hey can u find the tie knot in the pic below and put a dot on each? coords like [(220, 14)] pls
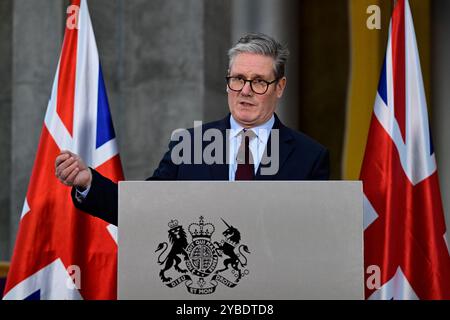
[(247, 133)]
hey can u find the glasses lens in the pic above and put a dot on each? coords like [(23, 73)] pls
[(236, 83), (259, 86)]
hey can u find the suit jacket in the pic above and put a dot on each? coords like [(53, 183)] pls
[(300, 158)]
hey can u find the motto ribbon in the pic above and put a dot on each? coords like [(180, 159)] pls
[(204, 290)]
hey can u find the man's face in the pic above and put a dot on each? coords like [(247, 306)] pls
[(248, 108)]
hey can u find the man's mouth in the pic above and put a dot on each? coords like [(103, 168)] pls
[(246, 104)]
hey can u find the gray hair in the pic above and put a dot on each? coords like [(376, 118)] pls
[(262, 44)]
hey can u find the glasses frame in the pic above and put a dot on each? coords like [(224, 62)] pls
[(268, 83)]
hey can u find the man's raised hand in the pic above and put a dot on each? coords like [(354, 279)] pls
[(71, 170)]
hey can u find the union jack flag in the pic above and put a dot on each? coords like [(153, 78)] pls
[(405, 233), (61, 253)]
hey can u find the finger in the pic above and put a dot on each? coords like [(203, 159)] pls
[(80, 162), (71, 178), (68, 152), (67, 171), (64, 165), (61, 158)]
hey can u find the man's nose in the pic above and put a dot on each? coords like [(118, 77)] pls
[(247, 89)]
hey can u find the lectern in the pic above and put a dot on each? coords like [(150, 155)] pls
[(240, 240)]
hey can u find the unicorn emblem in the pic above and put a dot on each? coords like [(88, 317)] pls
[(228, 246)]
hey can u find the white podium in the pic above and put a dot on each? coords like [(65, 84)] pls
[(240, 240)]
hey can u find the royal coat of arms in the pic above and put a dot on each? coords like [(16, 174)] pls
[(202, 264)]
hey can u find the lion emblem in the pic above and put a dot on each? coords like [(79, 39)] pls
[(178, 239)]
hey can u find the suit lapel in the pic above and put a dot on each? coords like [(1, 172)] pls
[(285, 150)]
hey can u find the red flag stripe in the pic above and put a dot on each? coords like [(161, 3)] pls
[(398, 64), (113, 165), (67, 73)]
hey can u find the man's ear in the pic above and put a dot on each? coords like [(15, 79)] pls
[(281, 84)]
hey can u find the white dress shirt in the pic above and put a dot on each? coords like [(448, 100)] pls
[(256, 146)]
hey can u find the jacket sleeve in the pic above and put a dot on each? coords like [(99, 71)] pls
[(101, 200)]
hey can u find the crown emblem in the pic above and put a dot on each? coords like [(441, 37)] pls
[(201, 229), (173, 224)]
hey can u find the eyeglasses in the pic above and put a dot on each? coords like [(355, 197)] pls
[(258, 86)]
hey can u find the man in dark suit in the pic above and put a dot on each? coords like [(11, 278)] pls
[(254, 144)]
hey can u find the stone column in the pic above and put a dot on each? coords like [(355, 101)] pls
[(217, 41), (5, 123)]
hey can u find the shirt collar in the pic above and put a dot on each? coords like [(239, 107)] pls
[(261, 131)]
